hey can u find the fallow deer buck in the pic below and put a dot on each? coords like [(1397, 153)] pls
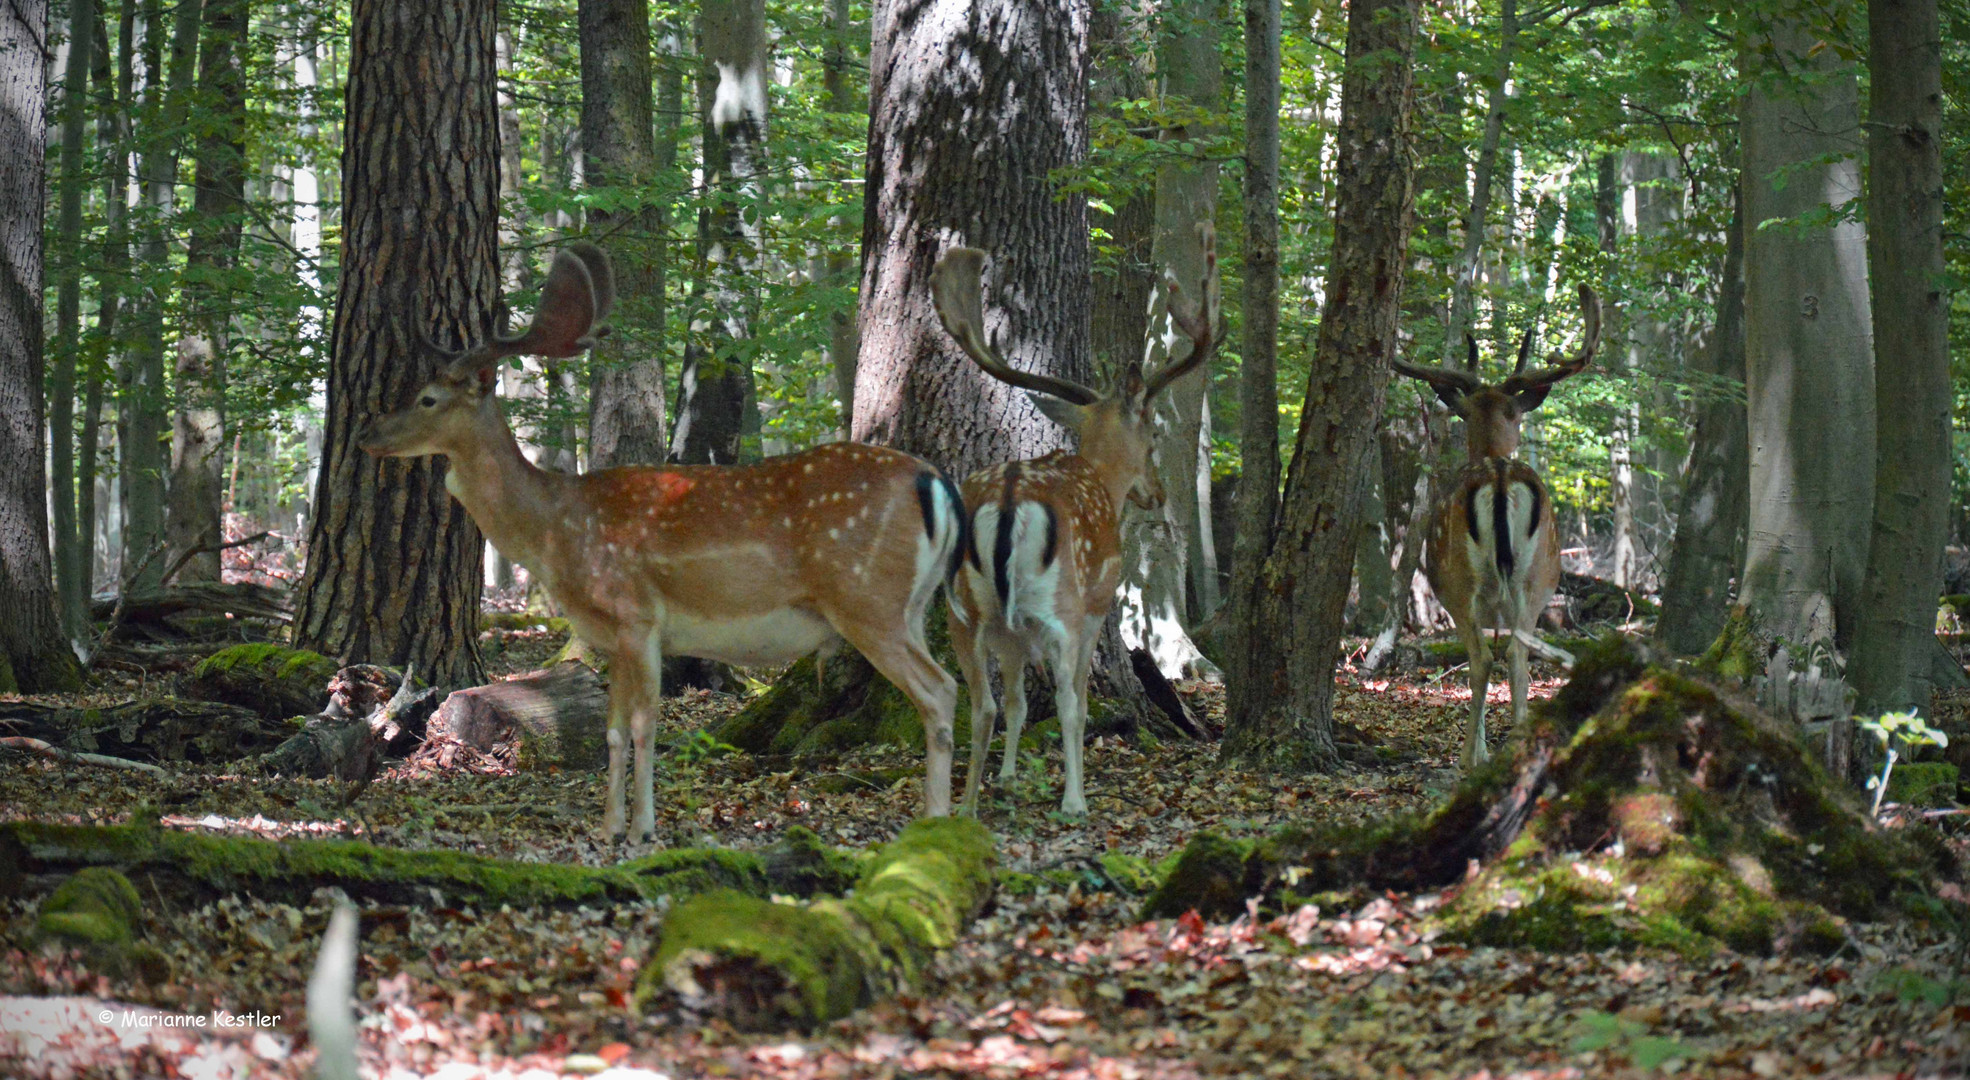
[(1494, 553), (1052, 524), (745, 564)]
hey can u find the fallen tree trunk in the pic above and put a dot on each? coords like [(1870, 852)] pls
[(238, 599), (274, 681), (761, 966), (197, 868), (363, 720), (554, 718), (163, 731)]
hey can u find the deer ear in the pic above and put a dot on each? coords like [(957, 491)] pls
[(1528, 400), (1065, 413)]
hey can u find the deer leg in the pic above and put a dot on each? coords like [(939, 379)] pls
[(1517, 651), (1070, 698), (1012, 670), (1479, 647), (642, 732), (621, 697), (906, 662), (973, 662)]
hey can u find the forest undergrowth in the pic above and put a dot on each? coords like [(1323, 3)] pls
[(1059, 978)]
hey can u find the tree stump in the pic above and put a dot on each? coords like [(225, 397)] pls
[(554, 718), (273, 681)]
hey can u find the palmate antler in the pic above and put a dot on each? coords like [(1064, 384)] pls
[(574, 300), (1451, 384), (957, 292)]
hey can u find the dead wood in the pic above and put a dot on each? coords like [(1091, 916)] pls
[(558, 717), (160, 730)]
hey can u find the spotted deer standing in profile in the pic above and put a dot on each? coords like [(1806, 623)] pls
[(1045, 557), (745, 564), (1494, 552)]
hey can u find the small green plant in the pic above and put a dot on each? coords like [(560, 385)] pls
[(1605, 1031), (701, 746), (1899, 732), (1912, 987)]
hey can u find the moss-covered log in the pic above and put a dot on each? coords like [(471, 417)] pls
[(764, 965), (274, 681), (1641, 806), (165, 731), (195, 867)]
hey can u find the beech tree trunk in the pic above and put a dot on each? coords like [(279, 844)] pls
[(838, 97), (1894, 642), (33, 656), (1710, 518), (626, 397), (715, 410), (394, 562), (972, 104), (71, 568), (1281, 713), (196, 492), (1809, 372)]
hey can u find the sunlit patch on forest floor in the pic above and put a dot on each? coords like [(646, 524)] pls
[(1060, 978)]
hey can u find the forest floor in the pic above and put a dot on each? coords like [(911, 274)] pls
[(1059, 978)]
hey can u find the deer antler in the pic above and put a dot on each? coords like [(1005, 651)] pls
[(956, 291), (1590, 339), (1200, 324), (578, 293)]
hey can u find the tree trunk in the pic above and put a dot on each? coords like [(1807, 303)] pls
[(141, 393), (393, 561), (1710, 517), (1895, 637), (1463, 281), (960, 153), (843, 341), (1281, 714), (1258, 383), (715, 390), (192, 514), (1621, 440), (112, 89), (1166, 584), (1809, 379), (33, 656), (71, 570), (626, 399)]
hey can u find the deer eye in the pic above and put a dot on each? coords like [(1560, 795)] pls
[(428, 401)]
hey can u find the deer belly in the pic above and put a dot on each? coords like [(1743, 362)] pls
[(775, 637)]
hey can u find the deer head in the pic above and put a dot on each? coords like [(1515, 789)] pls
[(1493, 412), (449, 411), (1114, 428)]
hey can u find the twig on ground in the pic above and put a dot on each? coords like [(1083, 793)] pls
[(37, 746)]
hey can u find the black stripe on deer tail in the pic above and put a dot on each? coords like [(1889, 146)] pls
[(1002, 544), (928, 482), (1501, 517)]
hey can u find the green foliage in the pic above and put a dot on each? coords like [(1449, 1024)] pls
[(1605, 1031)]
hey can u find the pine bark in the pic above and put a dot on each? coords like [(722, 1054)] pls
[(195, 496), (626, 398), (1281, 714), (33, 656), (394, 562), (1895, 640), (1809, 377), (972, 105), (715, 407), (1711, 513)]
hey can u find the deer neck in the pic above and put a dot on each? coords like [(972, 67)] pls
[(508, 496)]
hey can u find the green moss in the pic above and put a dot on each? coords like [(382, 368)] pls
[(268, 659), (1208, 878), (1130, 873), (96, 906), (1739, 652), (1923, 783), (522, 620)]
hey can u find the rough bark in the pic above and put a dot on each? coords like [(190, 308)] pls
[(33, 656), (141, 392), (194, 498), (1895, 638), (715, 409), (1258, 382), (1710, 517), (556, 718), (972, 105), (626, 397), (1809, 379), (394, 562), (1169, 558), (1281, 715), (71, 568)]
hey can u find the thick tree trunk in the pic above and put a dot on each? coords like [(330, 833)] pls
[(1281, 714), (71, 568), (1895, 637), (393, 561), (192, 514), (1169, 560), (972, 105), (1809, 376), (33, 656), (1710, 517), (141, 395), (715, 391), (1258, 384), (626, 398)]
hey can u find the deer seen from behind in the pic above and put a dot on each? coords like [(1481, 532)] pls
[(1045, 557), (745, 564), (1493, 549)]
